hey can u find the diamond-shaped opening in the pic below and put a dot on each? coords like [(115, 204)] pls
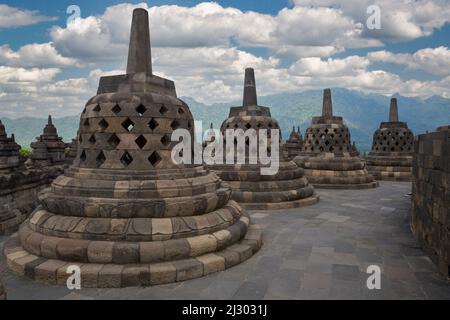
[(175, 124), (92, 139), (331, 149), (126, 159), (163, 109), (83, 156), (180, 111), (84, 111), (189, 124), (100, 158), (165, 140), (80, 139), (86, 123), (154, 158), (97, 108), (128, 125), (103, 124), (327, 142), (114, 140), (270, 125), (236, 126), (153, 124), (248, 125), (116, 109), (141, 141), (141, 110)]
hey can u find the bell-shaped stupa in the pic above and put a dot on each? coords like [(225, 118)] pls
[(48, 149), (328, 157), (392, 149), (294, 145), (288, 188), (124, 212)]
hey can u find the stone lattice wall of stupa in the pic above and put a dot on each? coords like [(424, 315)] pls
[(286, 189), (294, 145), (124, 212), (328, 157), (430, 213), (392, 149), (18, 186)]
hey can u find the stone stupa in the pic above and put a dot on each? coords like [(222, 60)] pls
[(124, 212), (286, 189), (294, 145), (392, 149), (328, 157)]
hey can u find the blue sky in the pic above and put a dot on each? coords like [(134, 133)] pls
[(49, 66)]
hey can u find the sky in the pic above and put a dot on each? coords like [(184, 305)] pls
[(51, 61)]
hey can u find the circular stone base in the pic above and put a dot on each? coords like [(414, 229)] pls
[(356, 186), (392, 176), (52, 271), (282, 205)]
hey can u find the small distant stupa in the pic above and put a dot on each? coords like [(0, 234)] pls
[(294, 145), (392, 149)]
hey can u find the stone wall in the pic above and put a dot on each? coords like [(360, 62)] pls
[(430, 218), (19, 197)]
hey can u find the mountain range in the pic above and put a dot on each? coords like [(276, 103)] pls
[(362, 113)]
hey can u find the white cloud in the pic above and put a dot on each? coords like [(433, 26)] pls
[(400, 19), (35, 55), (435, 61), (11, 17), (351, 65), (14, 75)]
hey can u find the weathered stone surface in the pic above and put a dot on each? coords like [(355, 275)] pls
[(328, 158), (124, 211), (392, 149), (19, 186), (430, 214), (251, 189)]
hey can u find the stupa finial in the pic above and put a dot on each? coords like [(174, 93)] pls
[(250, 98), (327, 109), (393, 111), (139, 52)]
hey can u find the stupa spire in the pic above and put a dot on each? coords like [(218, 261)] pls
[(327, 109), (393, 111), (250, 97), (139, 52)]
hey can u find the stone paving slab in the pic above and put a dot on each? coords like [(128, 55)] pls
[(317, 252)]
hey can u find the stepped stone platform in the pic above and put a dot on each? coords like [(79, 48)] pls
[(286, 189), (392, 149), (316, 252), (124, 212), (18, 186), (328, 157), (294, 145)]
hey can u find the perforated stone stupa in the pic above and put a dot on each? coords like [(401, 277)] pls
[(124, 212), (392, 149), (286, 189), (294, 145), (328, 157)]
